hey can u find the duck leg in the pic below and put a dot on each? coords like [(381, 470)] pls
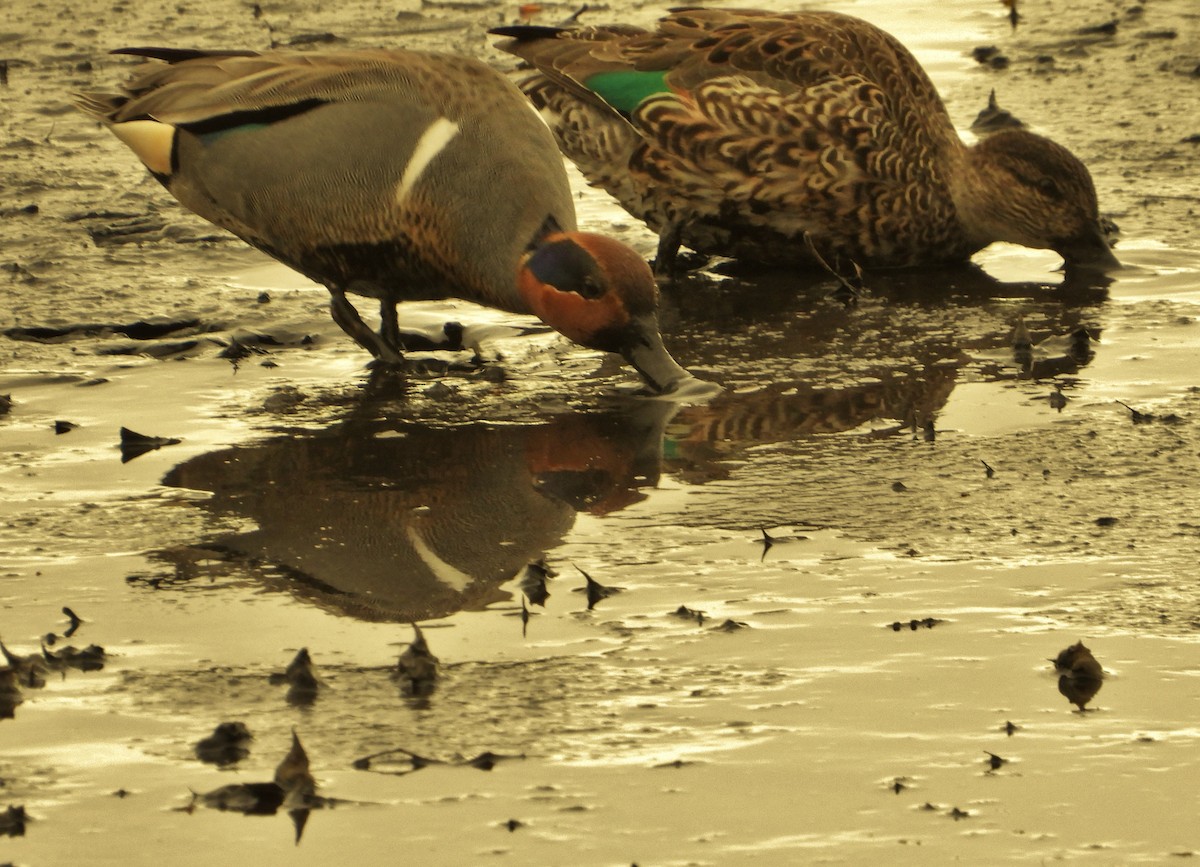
[(666, 260), (389, 325), (347, 318)]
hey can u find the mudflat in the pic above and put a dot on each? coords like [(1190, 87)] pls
[(835, 594)]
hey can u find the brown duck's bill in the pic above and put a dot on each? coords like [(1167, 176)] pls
[(1090, 252)]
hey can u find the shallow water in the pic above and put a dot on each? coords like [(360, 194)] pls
[(903, 614)]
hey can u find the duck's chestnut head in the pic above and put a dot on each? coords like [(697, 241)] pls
[(601, 294)]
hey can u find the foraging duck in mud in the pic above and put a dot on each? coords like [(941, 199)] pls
[(396, 175), (787, 138)]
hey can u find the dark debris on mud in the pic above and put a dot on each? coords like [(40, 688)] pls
[(566, 709)]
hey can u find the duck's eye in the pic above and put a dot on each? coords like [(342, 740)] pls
[(591, 286), (1049, 188)]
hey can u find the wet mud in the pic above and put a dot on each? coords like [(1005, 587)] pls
[(833, 614)]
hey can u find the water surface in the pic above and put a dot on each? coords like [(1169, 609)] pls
[(941, 521)]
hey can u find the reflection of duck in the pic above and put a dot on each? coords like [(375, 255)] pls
[(795, 363), (287, 151), (727, 425), (1052, 356), (756, 134), (409, 523)]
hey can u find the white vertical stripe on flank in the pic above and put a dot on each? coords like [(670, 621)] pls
[(432, 142)]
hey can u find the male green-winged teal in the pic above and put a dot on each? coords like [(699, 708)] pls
[(770, 135), (396, 175)]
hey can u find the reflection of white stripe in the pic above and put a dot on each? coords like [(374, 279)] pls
[(453, 578), (432, 142)]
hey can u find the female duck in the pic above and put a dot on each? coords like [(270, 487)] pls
[(774, 136), (396, 175)]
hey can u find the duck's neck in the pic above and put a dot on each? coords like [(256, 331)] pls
[(976, 187)]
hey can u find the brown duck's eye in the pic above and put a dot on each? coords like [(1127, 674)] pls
[(1045, 185), (1049, 188)]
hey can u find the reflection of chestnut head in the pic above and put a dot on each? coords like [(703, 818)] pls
[(597, 463), (1080, 675)]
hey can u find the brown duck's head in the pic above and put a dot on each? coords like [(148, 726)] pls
[(601, 294), (1047, 199)]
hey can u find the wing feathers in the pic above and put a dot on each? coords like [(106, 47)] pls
[(194, 86)]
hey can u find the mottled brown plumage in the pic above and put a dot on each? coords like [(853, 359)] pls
[(767, 136)]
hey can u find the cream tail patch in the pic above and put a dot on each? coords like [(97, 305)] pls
[(151, 140)]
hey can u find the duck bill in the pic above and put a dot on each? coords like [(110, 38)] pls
[(644, 350), (1089, 252)]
